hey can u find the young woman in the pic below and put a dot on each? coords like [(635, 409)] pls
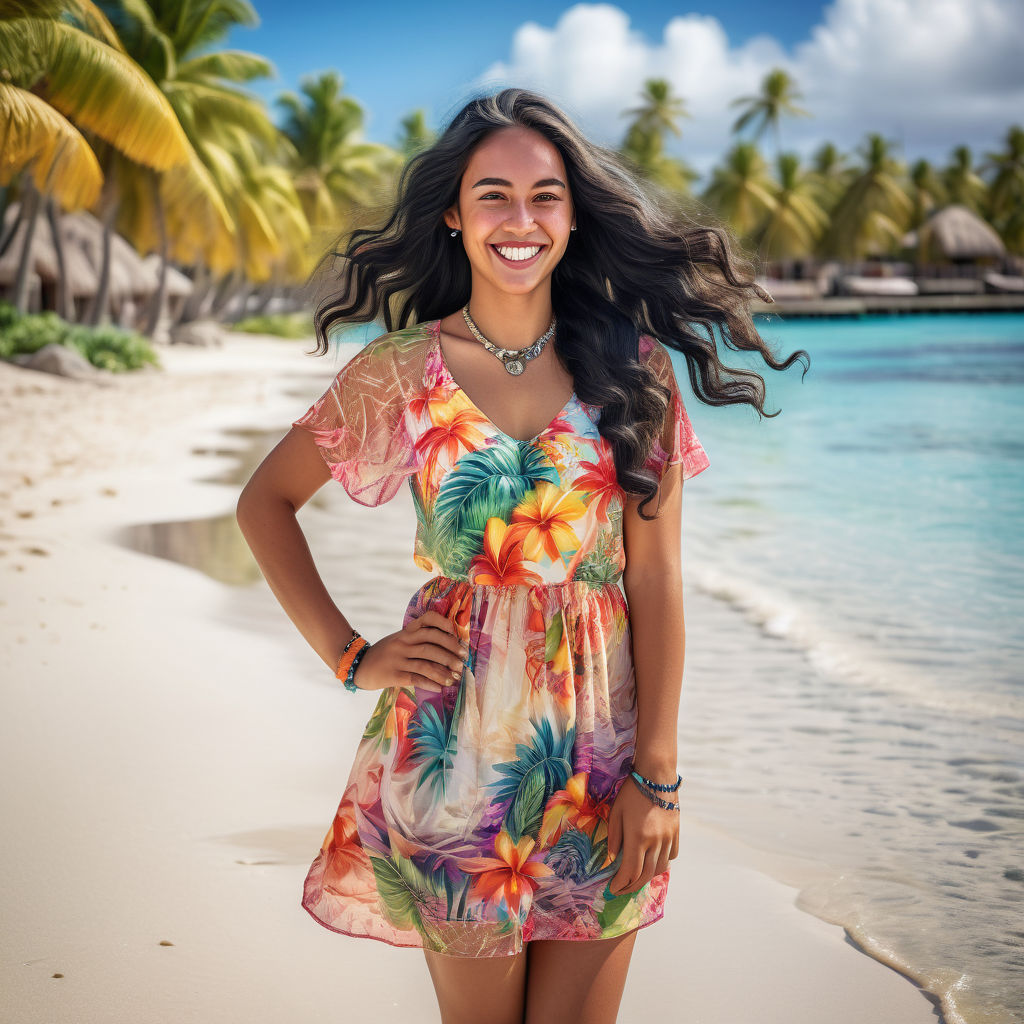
[(512, 808)]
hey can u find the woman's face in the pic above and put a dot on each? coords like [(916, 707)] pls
[(514, 196)]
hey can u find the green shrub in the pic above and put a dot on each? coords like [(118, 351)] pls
[(29, 334), (284, 325), (110, 348), (8, 314)]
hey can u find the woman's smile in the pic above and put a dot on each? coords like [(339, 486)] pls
[(518, 255)]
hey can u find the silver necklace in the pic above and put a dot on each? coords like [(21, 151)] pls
[(514, 359)]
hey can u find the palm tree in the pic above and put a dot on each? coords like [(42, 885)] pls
[(644, 142), (874, 211), (1006, 190), (962, 182), (741, 190), (65, 74), (209, 213), (927, 191), (796, 221), (778, 91), (415, 134), (829, 175), (335, 170)]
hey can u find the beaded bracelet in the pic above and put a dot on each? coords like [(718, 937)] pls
[(350, 683), (656, 785), (350, 658), (650, 796)]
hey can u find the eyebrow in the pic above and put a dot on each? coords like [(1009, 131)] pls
[(508, 184)]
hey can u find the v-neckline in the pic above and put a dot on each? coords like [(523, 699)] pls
[(448, 373)]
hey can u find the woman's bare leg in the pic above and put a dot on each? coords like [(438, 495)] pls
[(471, 990), (573, 981)]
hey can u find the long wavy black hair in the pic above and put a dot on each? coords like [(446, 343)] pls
[(638, 263)]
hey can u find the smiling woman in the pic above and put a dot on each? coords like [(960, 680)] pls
[(511, 808)]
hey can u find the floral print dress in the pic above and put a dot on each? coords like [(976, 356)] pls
[(476, 819)]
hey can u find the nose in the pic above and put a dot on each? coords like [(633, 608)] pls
[(519, 218)]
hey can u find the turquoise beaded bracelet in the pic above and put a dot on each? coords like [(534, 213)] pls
[(666, 788), (350, 682), (650, 796)]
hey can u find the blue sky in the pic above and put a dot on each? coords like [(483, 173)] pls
[(927, 74), (398, 56)]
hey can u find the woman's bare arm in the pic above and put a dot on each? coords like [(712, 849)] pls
[(652, 582), (282, 483)]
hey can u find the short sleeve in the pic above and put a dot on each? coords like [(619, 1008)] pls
[(678, 443), (361, 423)]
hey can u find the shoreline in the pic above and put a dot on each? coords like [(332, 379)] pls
[(191, 749)]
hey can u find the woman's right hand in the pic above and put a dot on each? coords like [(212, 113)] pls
[(426, 652)]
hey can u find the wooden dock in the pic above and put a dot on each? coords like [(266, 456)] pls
[(870, 305)]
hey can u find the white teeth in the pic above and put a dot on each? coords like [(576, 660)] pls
[(519, 252)]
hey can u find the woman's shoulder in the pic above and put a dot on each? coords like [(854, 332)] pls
[(652, 349), (656, 355), (395, 358), (404, 343)]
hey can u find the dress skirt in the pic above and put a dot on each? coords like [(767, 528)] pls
[(476, 819)]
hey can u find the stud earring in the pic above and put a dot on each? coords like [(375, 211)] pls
[(573, 228), (454, 233)]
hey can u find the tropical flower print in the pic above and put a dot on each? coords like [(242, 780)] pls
[(476, 819)]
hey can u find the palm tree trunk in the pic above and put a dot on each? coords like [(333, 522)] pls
[(30, 200), (232, 284), (157, 299), (223, 292), (108, 211), (6, 237), (64, 304), (201, 284), (243, 295), (267, 296), (101, 300)]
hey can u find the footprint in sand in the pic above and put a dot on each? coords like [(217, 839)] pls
[(35, 551)]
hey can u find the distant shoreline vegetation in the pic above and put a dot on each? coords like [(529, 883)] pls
[(283, 325), (143, 184)]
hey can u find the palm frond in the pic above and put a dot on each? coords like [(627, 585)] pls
[(33, 134)]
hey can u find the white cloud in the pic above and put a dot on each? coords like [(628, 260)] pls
[(927, 74)]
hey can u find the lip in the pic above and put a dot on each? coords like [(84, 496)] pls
[(518, 263)]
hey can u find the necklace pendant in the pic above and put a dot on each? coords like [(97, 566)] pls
[(514, 366)]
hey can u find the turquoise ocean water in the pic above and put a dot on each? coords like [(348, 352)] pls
[(855, 694)]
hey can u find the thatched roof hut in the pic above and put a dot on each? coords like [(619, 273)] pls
[(82, 276), (956, 233), (132, 279), (130, 276), (178, 284)]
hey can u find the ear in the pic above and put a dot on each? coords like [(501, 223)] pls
[(451, 217)]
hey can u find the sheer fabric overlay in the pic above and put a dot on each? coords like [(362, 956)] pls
[(475, 820)]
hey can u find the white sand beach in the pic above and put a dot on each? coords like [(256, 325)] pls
[(173, 752)]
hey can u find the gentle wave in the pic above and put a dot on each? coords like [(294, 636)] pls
[(834, 653)]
